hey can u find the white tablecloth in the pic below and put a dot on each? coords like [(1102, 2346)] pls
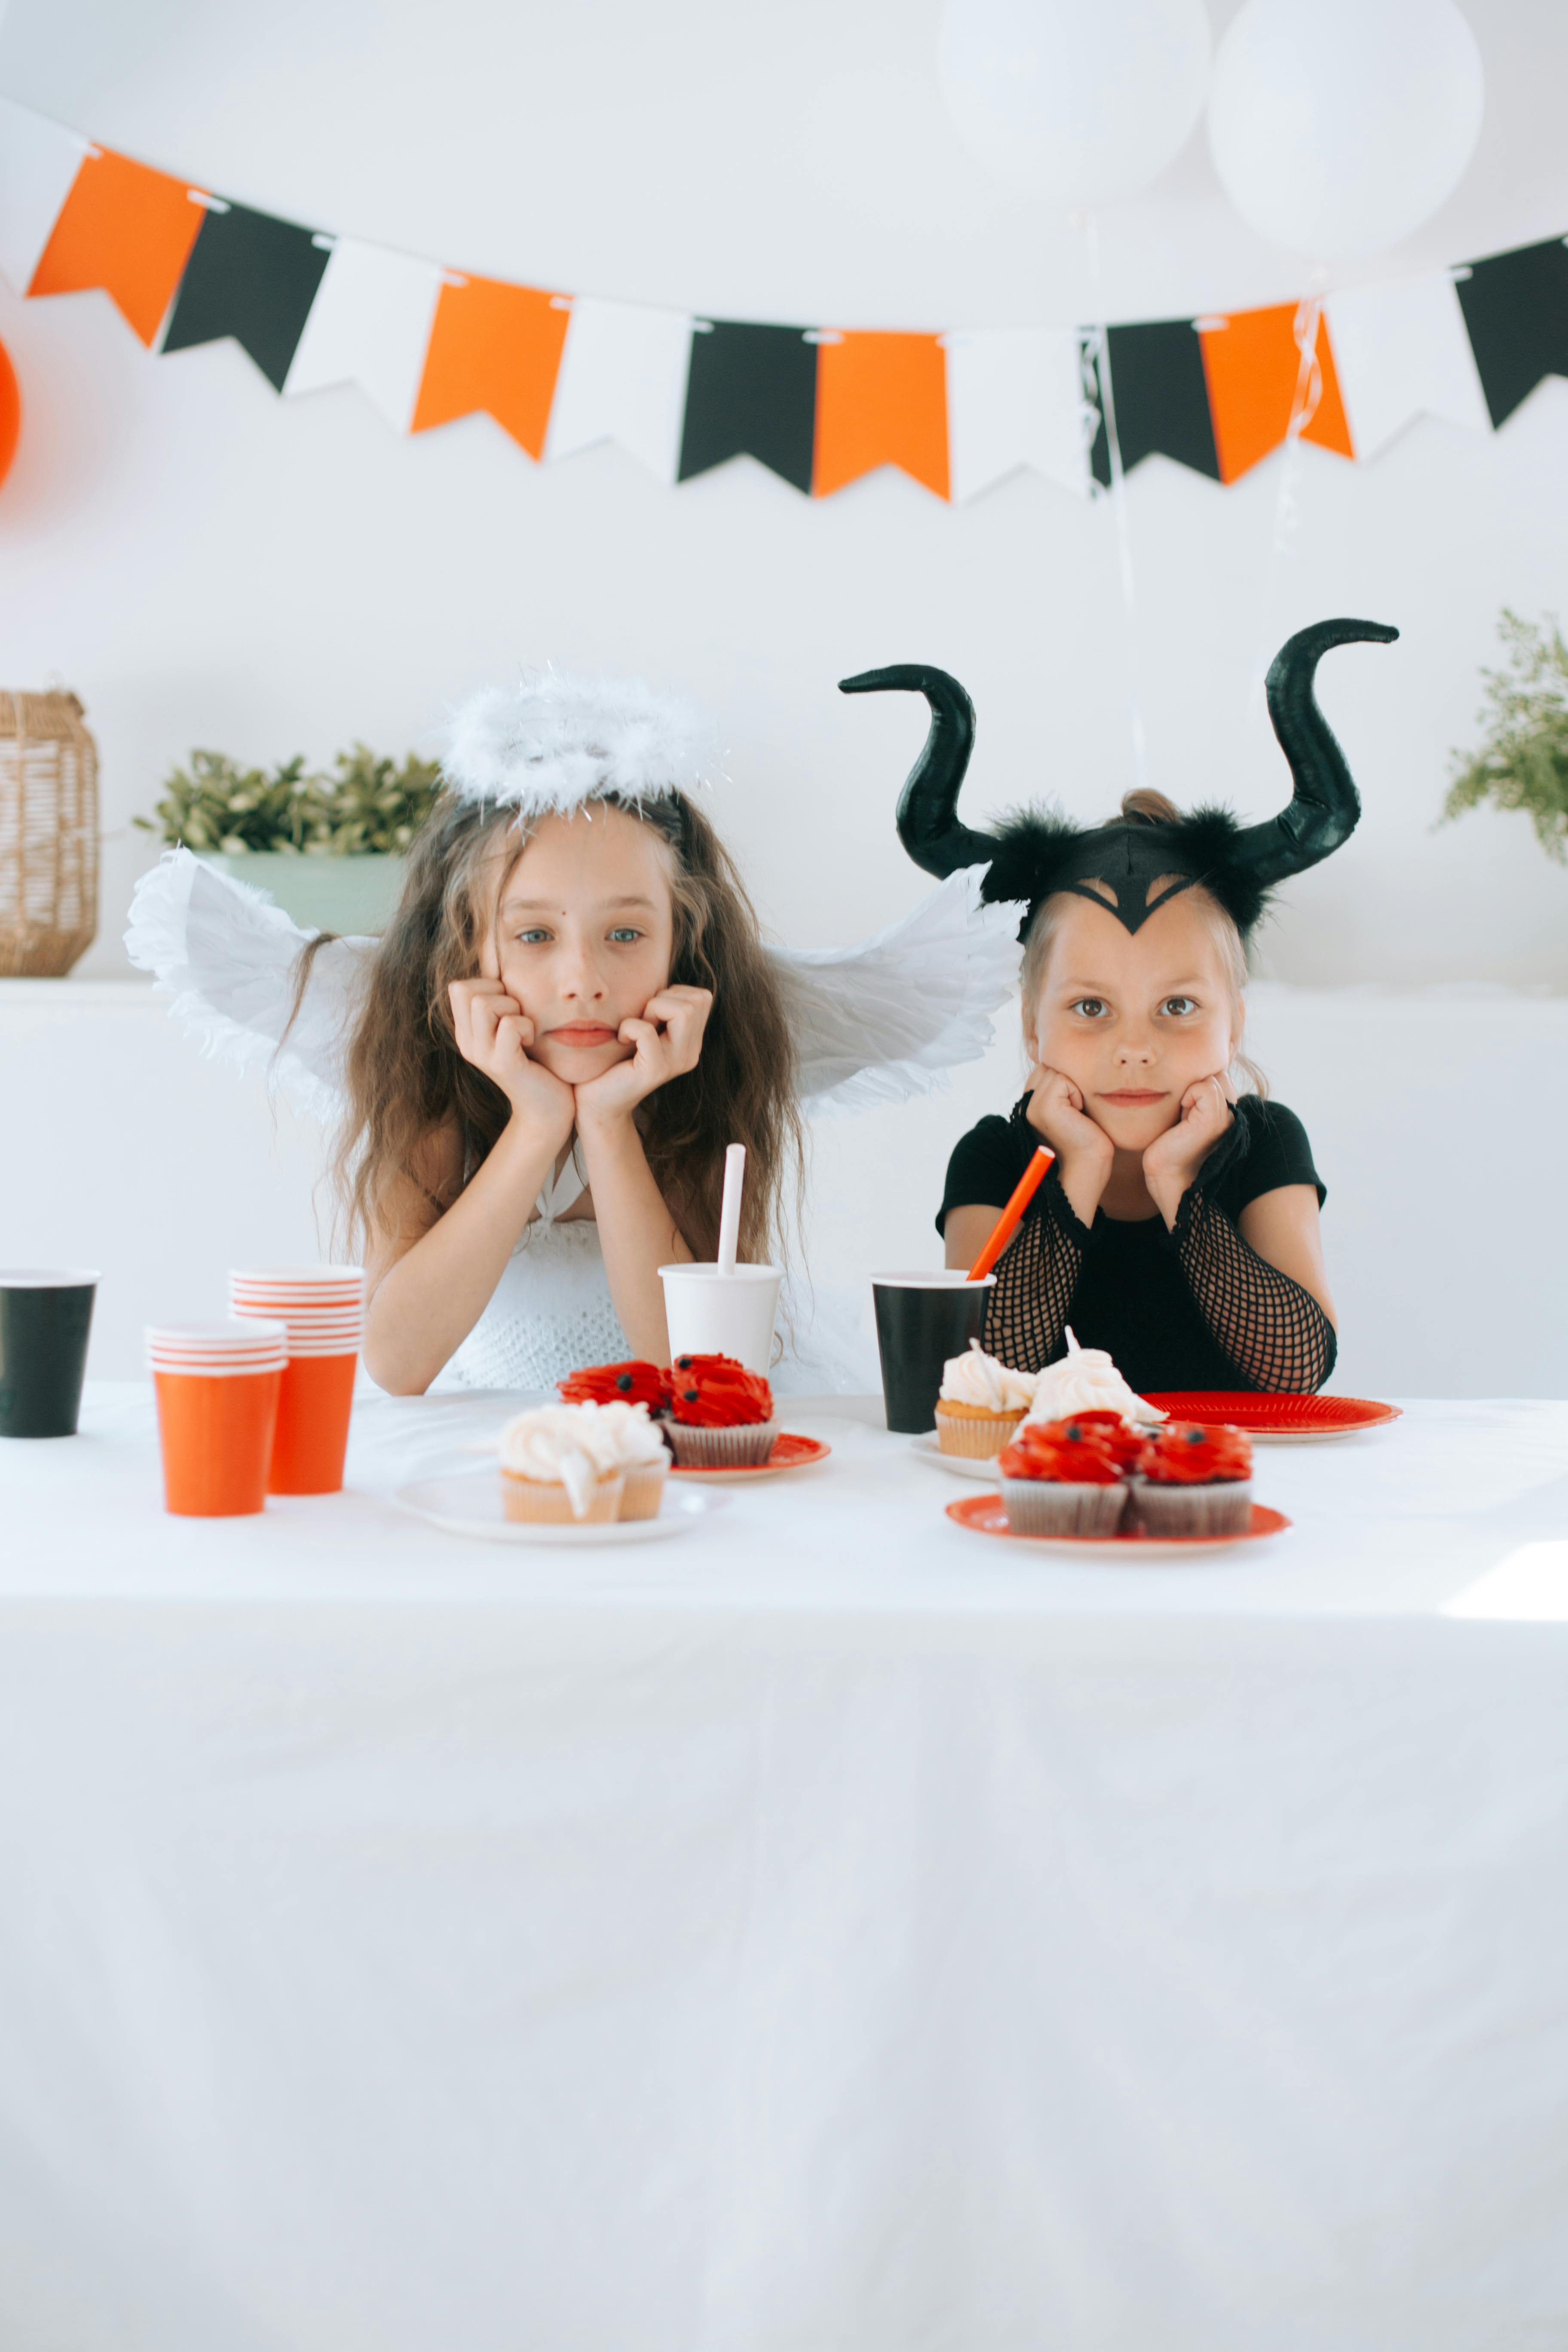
[(827, 1932)]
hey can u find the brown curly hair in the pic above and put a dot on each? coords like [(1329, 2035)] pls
[(406, 1079)]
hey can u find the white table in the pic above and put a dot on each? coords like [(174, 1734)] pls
[(827, 1932)]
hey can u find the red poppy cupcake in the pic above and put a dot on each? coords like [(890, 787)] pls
[(720, 1416), (1063, 1478), (633, 1384), (1196, 1481)]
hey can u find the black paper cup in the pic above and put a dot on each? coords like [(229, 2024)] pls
[(922, 1320), (45, 1317)]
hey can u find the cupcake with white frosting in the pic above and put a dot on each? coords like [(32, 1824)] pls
[(560, 1464), (638, 1446), (1086, 1380), (980, 1403)]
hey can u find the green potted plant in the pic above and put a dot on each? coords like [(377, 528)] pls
[(328, 847), (1523, 764)]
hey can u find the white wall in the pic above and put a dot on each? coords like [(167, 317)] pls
[(209, 565)]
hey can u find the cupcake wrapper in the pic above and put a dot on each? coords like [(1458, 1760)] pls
[(976, 1436), (545, 1502), (644, 1491), (722, 1449), (1218, 1510), (1056, 1506)]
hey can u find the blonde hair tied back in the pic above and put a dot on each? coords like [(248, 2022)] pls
[(1146, 806)]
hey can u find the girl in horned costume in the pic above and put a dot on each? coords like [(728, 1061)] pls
[(1178, 1228), (535, 1073)]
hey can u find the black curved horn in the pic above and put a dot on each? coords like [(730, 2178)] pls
[(928, 805), (1325, 805)]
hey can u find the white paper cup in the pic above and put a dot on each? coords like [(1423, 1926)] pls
[(712, 1314)]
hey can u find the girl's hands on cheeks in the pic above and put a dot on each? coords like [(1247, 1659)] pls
[(667, 1041), (1174, 1159), (494, 1034), (1085, 1153)]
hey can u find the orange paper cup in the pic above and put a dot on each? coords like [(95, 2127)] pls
[(216, 1428), (313, 1432)]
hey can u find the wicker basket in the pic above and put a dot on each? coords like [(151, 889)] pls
[(48, 834)]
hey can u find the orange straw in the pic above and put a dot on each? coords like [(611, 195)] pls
[(1006, 1225)]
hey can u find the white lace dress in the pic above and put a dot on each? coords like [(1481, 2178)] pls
[(552, 1313)]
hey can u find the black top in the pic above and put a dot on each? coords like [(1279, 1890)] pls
[(1161, 1303)]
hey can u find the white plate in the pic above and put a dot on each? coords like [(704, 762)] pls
[(961, 1466), (470, 1505)]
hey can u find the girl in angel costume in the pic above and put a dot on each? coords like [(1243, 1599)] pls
[(1178, 1228), (534, 1074)]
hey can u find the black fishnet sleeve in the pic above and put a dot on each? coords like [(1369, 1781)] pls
[(1036, 1278), (1273, 1331)]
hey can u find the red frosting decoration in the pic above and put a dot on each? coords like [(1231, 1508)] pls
[(1125, 1445), (717, 1392), (1187, 1453), (1076, 1451), (633, 1383)]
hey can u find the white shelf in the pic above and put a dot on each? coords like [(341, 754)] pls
[(78, 996)]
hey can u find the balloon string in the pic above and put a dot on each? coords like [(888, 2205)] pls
[(1304, 404), (1105, 392)]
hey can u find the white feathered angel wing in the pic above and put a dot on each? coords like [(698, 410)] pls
[(881, 1021), (231, 958)]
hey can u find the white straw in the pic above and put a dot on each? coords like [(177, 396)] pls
[(730, 1214)]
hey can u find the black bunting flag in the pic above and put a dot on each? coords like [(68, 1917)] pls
[(253, 278), (1162, 399), (752, 393), (1516, 315)]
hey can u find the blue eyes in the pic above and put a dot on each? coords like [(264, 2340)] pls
[(624, 936), (1093, 1008)]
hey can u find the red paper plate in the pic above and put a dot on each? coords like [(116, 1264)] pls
[(986, 1515), (789, 1453), (1276, 1416)]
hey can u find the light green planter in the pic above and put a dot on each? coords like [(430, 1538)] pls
[(354, 894)]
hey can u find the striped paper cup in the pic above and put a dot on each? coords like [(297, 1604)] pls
[(217, 1386), (322, 1310)]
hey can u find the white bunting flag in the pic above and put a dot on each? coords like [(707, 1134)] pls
[(369, 325), (1401, 351), (1017, 399), (623, 378), (38, 162)]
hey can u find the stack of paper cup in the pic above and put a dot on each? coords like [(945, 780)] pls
[(323, 1307), (217, 1387)]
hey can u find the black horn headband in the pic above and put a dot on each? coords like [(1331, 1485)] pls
[(1035, 853)]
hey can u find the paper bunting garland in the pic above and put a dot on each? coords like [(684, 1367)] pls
[(1516, 316), (250, 276), (369, 325), (819, 406), (128, 231), (751, 391), (494, 347)]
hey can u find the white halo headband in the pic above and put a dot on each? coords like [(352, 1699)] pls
[(553, 742)]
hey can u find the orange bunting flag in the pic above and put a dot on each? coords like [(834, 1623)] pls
[(881, 400), (126, 228), (1252, 363), (498, 348)]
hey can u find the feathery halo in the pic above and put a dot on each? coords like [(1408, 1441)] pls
[(553, 740)]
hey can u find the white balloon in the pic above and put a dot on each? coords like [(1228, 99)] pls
[(1080, 101), (1337, 126)]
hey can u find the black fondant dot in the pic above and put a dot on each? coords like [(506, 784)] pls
[(624, 1383)]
